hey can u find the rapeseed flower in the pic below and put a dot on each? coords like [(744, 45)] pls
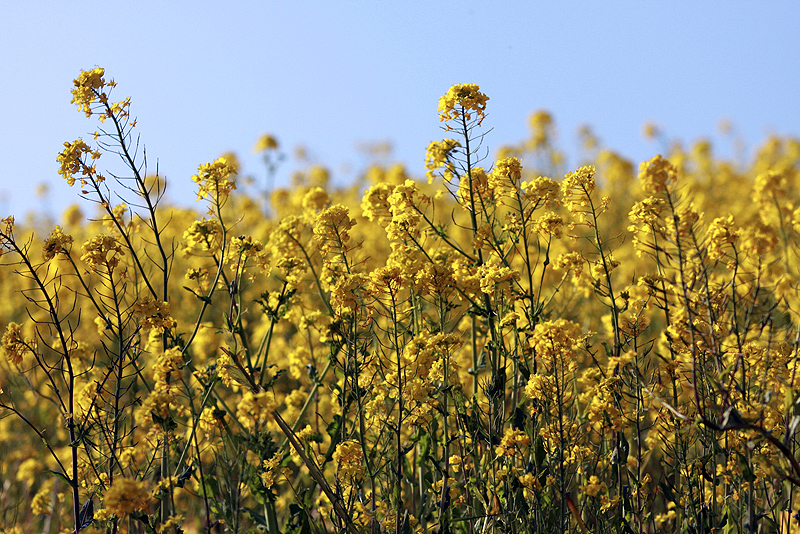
[(215, 180), (15, 344), (154, 314), (255, 409), (102, 251), (348, 457), (577, 188), (463, 98), (72, 161), (88, 89), (657, 175), (512, 443), (439, 155), (265, 142), (56, 243), (126, 496)]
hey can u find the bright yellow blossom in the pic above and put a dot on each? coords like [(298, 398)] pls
[(215, 180), (102, 251), (463, 98), (88, 89)]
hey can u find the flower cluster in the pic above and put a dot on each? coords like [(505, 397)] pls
[(72, 162), (657, 175), (202, 236), (577, 188), (265, 142), (88, 89), (215, 180), (154, 314), (15, 345), (512, 443), (332, 228), (439, 156), (56, 243), (255, 409), (465, 99), (126, 496), (349, 457), (102, 252)]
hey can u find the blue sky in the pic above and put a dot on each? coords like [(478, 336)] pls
[(206, 78)]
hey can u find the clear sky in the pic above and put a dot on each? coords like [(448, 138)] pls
[(210, 77)]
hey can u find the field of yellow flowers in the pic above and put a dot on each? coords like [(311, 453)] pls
[(498, 348)]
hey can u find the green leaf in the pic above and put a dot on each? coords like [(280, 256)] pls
[(259, 519), (335, 432)]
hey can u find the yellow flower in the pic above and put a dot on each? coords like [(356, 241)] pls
[(645, 213), (28, 470), (42, 501), (264, 143), (8, 226), (126, 496), (319, 176), (463, 98), (332, 228), (72, 161), (512, 443), (102, 251), (437, 156), (599, 268), (166, 367), (541, 124), (405, 215), (650, 130), (214, 180), (155, 314), (542, 190), (683, 220), (245, 246), (255, 409), (505, 176), (577, 188), (550, 224), (202, 236), (348, 457), (541, 387), (87, 89), (375, 204), (474, 186), (670, 515), (721, 232), (270, 470), (759, 238), (116, 109), (494, 277), (557, 339), (657, 175), (15, 345), (386, 280), (57, 243), (770, 187), (315, 200), (571, 263), (594, 486), (345, 292), (172, 521)]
